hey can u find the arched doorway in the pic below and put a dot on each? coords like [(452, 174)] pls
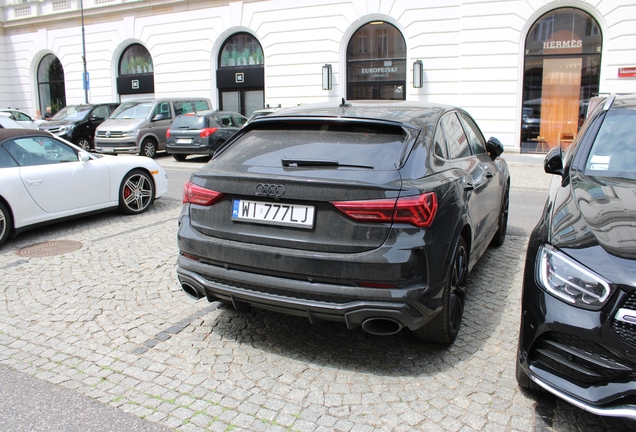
[(376, 63), (136, 74), (240, 76), (51, 89), (561, 74)]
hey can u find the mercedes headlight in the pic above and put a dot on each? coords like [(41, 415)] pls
[(65, 129), (569, 281)]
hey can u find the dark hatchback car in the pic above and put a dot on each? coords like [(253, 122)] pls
[(578, 320), (77, 123), (367, 213), (201, 132)]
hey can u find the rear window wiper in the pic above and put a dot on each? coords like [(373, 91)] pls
[(318, 162)]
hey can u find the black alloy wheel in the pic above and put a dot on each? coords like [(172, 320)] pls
[(500, 235), (5, 223), (148, 148), (136, 193), (179, 157), (84, 143), (443, 329)]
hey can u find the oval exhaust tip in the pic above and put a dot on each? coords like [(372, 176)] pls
[(191, 291), (381, 326)]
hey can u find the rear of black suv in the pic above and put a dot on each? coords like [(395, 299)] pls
[(274, 232), (341, 214)]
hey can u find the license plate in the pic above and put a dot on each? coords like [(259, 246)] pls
[(108, 150), (184, 141), (296, 215)]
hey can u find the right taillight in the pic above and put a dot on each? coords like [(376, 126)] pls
[(416, 210), (195, 194), (206, 132), (168, 133)]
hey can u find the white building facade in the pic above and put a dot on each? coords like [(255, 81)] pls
[(524, 69)]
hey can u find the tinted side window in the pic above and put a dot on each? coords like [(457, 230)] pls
[(40, 150), (239, 121), (225, 120), (21, 117), (456, 140), (6, 161), (475, 137), (163, 108), (100, 112), (184, 107), (440, 144), (201, 105)]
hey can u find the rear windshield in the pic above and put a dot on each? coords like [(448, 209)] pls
[(348, 143), (614, 151), (132, 110), (189, 122)]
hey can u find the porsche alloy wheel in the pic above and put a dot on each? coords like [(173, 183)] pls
[(443, 329), (136, 193), (5, 223)]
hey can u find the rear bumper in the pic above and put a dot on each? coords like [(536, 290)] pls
[(190, 149), (305, 298)]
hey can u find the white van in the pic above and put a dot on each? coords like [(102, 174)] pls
[(139, 126)]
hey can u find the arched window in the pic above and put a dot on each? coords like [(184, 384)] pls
[(376, 63), (241, 49), (135, 60), (52, 92), (136, 72), (240, 76), (561, 74)]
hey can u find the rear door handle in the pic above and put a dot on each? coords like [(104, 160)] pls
[(34, 181)]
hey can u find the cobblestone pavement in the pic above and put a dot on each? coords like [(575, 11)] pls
[(110, 321)]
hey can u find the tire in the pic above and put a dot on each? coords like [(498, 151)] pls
[(443, 329), (136, 192), (500, 235), (5, 223), (148, 148), (84, 143), (524, 380), (179, 157)]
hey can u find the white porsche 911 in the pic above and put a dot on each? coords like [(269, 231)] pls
[(44, 178)]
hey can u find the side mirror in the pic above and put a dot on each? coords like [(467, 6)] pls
[(553, 163), (494, 148), (84, 156), (157, 117)]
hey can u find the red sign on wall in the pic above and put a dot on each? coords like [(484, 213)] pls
[(627, 72)]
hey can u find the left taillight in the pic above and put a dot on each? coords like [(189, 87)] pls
[(195, 194), (168, 133), (416, 210)]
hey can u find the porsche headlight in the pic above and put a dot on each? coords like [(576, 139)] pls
[(569, 281)]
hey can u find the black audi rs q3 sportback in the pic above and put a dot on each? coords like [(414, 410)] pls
[(370, 213)]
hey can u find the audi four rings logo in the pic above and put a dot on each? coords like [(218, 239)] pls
[(270, 190)]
